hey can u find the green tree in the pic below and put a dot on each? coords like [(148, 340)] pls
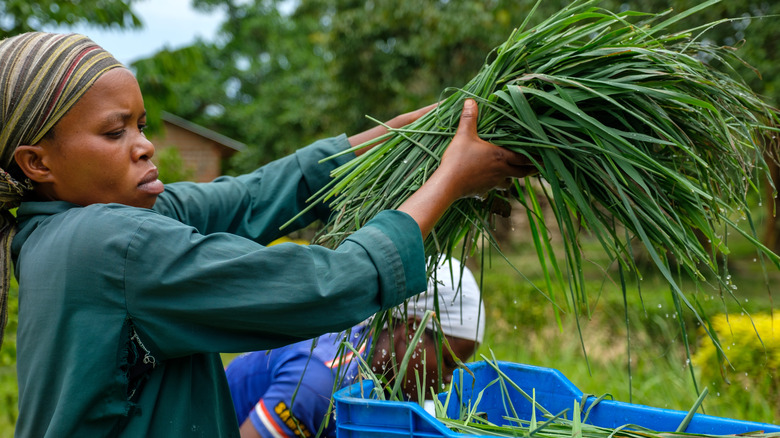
[(264, 83), (18, 16), (179, 81), (390, 57), (171, 166)]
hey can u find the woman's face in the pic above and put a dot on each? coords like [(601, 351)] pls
[(99, 153)]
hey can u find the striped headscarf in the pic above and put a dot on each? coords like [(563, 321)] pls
[(42, 75)]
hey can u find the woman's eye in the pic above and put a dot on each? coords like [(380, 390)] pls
[(141, 127), (116, 134)]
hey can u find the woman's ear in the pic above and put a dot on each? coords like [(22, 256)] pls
[(31, 160)]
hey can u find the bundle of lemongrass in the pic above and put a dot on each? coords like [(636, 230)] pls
[(639, 134)]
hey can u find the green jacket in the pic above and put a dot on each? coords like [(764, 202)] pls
[(108, 291)]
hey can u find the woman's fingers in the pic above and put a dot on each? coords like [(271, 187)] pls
[(467, 125), (521, 166), (396, 122), (477, 166)]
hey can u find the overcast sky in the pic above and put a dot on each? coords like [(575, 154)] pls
[(167, 23)]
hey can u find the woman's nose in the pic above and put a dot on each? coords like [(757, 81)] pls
[(144, 149)]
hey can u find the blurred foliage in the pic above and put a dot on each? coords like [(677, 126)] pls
[(752, 362), (179, 81), (8, 350), (263, 84), (18, 16), (171, 165), (9, 409)]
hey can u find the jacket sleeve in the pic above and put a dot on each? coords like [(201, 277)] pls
[(224, 293), (257, 204)]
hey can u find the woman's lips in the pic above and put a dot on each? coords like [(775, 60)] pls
[(150, 183)]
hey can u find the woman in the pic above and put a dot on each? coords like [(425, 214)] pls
[(128, 290)]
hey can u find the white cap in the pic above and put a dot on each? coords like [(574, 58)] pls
[(461, 310)]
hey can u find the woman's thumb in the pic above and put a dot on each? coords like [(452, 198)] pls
[(468, 119)]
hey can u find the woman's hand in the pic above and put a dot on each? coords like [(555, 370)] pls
[(473, 166), (396, 122), (469, 167)]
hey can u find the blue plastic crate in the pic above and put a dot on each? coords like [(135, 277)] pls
[(359, 416)]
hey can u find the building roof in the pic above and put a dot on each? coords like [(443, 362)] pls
[(204, 132)]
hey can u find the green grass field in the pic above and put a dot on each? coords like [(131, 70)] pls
[(522, 328)]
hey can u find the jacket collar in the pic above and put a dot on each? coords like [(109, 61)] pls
[(30, 214)]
